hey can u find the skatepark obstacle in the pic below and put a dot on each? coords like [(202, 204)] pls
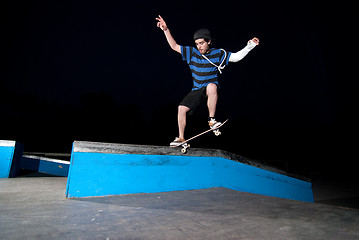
[(105, 169)]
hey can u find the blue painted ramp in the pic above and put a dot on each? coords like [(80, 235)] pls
[(10, 156), (103, 169), (51, 166), (12, 161)]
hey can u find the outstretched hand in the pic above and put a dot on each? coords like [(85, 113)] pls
[(255, 40), (161, 23)]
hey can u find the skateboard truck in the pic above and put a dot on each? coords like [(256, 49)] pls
[(217, 132), (184, 148), (185, 144)]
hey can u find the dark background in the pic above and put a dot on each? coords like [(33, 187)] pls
[(103, 71)]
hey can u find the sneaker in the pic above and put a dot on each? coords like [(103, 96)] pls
[(213, 123), (177, 142)]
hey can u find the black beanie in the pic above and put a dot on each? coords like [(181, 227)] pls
[(202, 33)]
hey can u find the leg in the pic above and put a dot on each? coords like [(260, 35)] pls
[(212, 99), (182, 116)]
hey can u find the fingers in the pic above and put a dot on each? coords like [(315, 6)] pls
[(161, 23), (159, 18), (255, 40)]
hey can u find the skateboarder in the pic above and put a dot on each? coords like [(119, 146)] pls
[(205, 62)]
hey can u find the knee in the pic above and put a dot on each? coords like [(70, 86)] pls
[(212, 89), (182, 109)]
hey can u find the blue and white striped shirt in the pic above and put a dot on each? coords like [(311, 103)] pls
[(203, 72)]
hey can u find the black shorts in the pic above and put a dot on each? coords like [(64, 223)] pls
[(195, 98)]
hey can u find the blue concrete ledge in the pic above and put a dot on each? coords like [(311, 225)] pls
[(12, 161), (103, 169), (51, 166), (10, 156)]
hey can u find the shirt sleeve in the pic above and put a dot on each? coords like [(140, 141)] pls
[(186, 53), (235, 57), (224, 55), (227, 58)]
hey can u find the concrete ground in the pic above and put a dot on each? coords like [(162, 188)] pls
[(36, 208)]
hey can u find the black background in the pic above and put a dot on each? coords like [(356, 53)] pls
[(103, 71)]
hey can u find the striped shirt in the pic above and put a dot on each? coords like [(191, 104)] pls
[(203, 72)]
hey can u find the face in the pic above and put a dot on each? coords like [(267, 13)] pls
[(202, 45)]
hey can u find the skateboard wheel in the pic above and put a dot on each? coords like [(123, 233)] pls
[(183, 150), (217, 133)]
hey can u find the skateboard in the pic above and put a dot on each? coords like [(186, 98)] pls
[(185, 144)]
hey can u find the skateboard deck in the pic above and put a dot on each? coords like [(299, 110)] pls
[(185, 144)]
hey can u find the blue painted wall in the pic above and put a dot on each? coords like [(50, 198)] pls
[(6, 156), (242, 177), (102, 174), (97, 174), (10, 156), (12, 160), (45, 165)]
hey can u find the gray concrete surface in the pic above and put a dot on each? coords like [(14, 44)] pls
[(36, 208)]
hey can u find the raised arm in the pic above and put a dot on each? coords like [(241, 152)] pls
[(235, 57), (171, 41)]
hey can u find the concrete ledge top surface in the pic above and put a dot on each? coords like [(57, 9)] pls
[(117, 148), (34, 157), (6, 143)]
